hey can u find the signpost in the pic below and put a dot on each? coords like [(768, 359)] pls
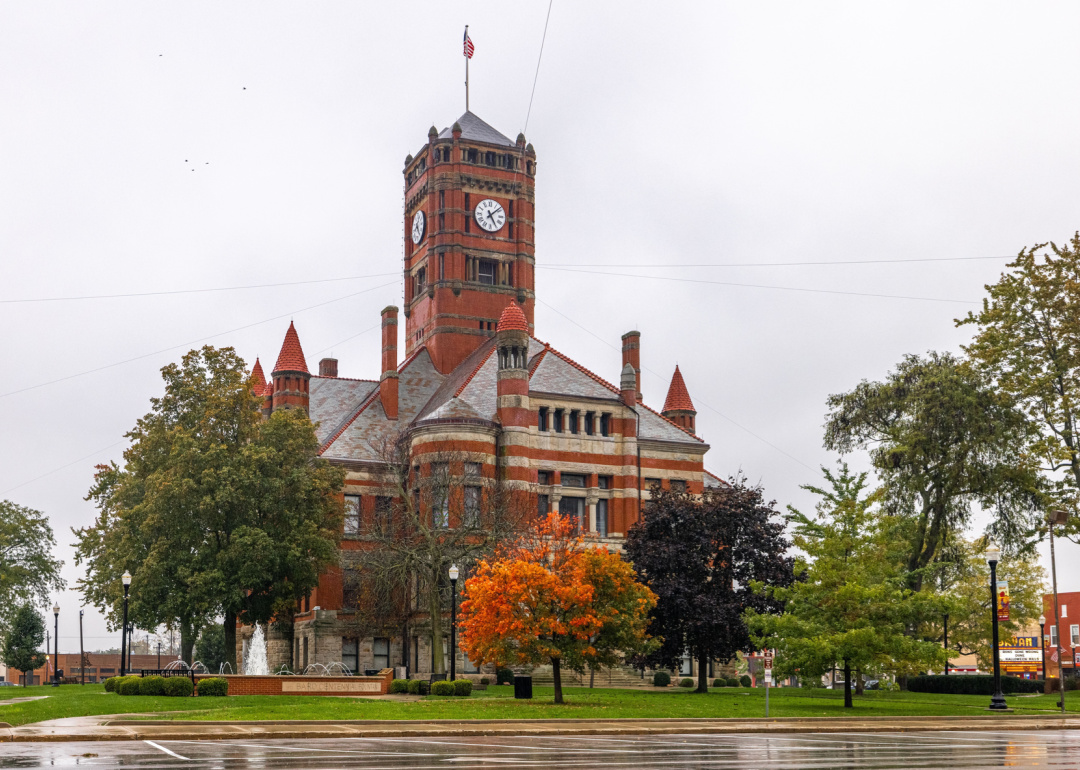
[(768, 678)]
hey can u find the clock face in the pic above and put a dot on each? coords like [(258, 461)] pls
[(418, 227), (490, 215)]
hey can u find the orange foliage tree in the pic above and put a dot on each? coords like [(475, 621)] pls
[(548, 597)]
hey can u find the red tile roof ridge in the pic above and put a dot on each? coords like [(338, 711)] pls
[(368, 400), (537, 359), (469, 379), (350, 379), (678, 397), (291, 357), (512, 319), (665, 419)]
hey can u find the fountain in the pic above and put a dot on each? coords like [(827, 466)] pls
[(255, 661)]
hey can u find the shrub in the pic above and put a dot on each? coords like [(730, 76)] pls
[(745, 680), (110, 684), (484, 680), (504, 676), (178, 686), (462, 687), (399, 685), (442, 688), (419, 687), (719, 683), (732, 682), (1071, 683), (215, 687), (661, 679), (152, 685), (971, 684), (686, 682), (128, 685)]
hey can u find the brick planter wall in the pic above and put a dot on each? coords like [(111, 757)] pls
[(240, 684)]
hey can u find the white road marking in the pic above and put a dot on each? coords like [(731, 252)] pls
[(159, 747)]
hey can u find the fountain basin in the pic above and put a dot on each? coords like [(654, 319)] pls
[(272, 684)]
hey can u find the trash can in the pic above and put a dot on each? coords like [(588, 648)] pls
[(522, 687)]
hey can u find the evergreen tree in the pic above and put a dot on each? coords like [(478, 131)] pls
[(24, 636), (701, 555), (852, 605)]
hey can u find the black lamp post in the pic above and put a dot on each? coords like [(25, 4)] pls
[(453, 620), (126, 579), (56, 646), (993, 555), (946, 643), (1042, 643), (1057, 517)]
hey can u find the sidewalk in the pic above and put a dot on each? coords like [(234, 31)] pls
[(110, 728)]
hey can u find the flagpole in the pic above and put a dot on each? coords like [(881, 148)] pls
[(466, 72)]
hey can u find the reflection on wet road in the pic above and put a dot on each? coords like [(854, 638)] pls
[(813, 750)]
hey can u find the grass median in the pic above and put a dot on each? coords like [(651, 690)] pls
[(497, 702)]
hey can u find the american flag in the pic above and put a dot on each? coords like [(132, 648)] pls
[(469, 47)]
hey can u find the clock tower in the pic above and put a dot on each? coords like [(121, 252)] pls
[(469, 238)]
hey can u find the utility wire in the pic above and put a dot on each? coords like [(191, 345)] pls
[(698, 400), (193, 342), (189, 291), (785, 264), (62, 467), (537, 75), (347, 339), (760, 286)]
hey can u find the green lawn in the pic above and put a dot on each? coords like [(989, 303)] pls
[(499, 703)]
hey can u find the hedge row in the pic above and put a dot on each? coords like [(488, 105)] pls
[(172, 686), (971, 684), (421, 687)]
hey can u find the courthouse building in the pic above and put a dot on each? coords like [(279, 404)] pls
[(478, 376)]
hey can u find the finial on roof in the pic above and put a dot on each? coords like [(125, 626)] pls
[(512, 319), (521, 138), (456, 129), (432, 132), (529, 149), (408, 159)]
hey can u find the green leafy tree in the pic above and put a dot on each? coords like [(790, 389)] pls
[(216, 510), (210, 649), (28, 571), (852, 606), (702, 555), (25, 634), (1028, 343), (964, 588), (942, 439)]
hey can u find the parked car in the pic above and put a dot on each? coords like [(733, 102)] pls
[(8, 684), (871, 684)]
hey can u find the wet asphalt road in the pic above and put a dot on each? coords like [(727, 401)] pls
[(1057, 749)]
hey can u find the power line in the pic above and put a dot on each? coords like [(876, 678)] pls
[(761, 286), (62, 467), (785, 264), (193, 342), (538, 59), (707, 406), (189, 291), (347, 339)]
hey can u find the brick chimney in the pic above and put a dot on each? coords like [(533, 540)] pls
[(328, 367), (631, 354), (388, 382), (628, 385)]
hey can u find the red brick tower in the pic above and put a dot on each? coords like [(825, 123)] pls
[(677, 406), (290, 376), (469, 238), (512, 343)]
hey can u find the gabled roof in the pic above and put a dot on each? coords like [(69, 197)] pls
[(291, 357), (258, 379), (477, 130), (678, 398), (333, 399)]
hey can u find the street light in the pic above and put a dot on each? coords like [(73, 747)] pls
[(126, 580), (993, 556), (1042, 643), (453, 620), (56, 646), (1057, 517)]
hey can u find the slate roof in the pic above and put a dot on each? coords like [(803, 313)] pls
[(678, 398), (477, 130), (291, 357), (332, 400)]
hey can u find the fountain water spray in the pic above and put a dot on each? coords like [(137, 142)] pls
[(255, 663)]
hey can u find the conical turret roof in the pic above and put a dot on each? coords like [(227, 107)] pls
[(258, 379), (678, 398), (291, 357), (512, 319)]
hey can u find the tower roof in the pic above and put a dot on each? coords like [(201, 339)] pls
[(512, 319), (258, 379), (478, 131), (291, 357), (678, 398)]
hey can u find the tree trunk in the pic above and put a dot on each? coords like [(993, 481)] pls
[(847, 685), (858, 681), (556, 675), (592, 676), (230, 640), (703, 672), (435, 611), (187, 642)]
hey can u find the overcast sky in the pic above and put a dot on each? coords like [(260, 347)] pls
[(157, 147)]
